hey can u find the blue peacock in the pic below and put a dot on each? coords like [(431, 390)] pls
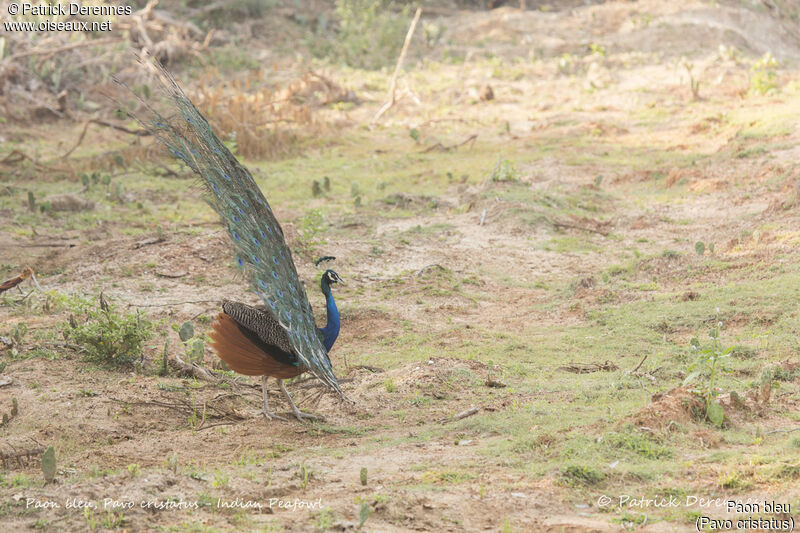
[(279, 339)]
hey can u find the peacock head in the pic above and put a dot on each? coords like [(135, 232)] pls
[(332, 277)]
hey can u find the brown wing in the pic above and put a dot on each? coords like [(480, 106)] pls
[(13, 282), (246, 354)]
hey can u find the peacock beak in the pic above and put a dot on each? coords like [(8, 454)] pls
[(340, 280)]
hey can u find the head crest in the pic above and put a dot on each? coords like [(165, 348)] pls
[(323, 259)]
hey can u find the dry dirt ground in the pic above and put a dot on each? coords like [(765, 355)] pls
[(555, 254)]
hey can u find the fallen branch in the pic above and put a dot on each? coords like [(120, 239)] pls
[(373, 369), (588, 368), (7, 457), (138, 133), (463, 414), (147, 242), (398, 66), (442, 148), (16, 156), (790, 430), (73, 347), (168, 304), (637, 367), (193, 369)]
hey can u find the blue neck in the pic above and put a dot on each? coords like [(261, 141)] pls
[(331, 329)]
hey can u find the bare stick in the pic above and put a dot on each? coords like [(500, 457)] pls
[(393, 84), (639, 365), (782, 431), (193, 369), (169, 304), (442, 148), (6, 457), (463, 414)]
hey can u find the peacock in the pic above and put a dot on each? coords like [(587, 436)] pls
[(279, 339)]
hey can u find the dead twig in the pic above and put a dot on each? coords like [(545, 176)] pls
[(463, 414), (147, 242), (73, 347), (215, 425), (7, 457), (398, 66), (373, 369), (193, 369), (169, 304), (790, 430), (588, 368), (442, 148), (637, 367)]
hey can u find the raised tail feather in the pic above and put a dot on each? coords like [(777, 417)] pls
[(259, 245), (244, 354)]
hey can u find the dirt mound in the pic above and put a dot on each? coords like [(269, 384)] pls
[(677, 405)]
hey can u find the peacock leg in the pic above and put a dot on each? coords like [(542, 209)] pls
[(267, 413), (301, 416)]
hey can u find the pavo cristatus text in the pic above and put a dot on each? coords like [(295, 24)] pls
[(280, 340)]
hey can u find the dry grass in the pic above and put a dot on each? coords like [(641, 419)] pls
[(265, 122)]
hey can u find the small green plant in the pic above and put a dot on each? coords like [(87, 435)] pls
[(220, 480), (172, 462), (694, 84), (364, 476), (49, 464), (164, 369), (325, 519), (305, 475), (370, 34), (312, 226), (700, 247), (113, 520), (763, 75), (92, 521), (504, 170), (575, 475), (709, 363), (18, 333), (363, 514), (597, 49), (106, 336), (195, 347), (389, 385), (195, 421), (134, 470)]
